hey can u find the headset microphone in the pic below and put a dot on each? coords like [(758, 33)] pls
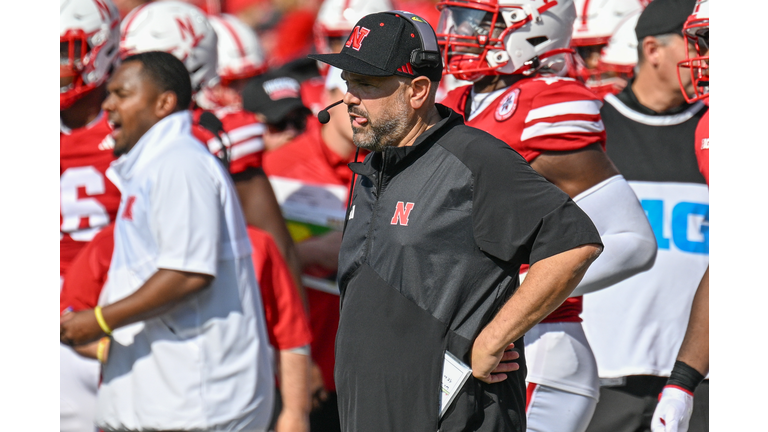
[(324, 116)]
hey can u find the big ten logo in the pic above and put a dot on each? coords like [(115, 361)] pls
[(687, 228)]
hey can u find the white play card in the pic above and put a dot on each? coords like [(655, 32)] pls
[(455, 374)]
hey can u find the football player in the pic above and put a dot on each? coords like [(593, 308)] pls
[(515, 52), (184, 31), (89, 40), (675, 407)]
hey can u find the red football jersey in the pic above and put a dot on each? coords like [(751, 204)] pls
[(313, 94), (702, 143), (287, 322), (246, 145), (89, 200), (537, 115), (88, 273)]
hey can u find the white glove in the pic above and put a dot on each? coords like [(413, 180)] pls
[(673, 412)]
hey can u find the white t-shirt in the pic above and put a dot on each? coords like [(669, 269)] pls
[(204, 364), (636, 326)]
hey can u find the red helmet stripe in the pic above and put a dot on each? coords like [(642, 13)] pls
[(584, 14), (232, 31), (128, 24)]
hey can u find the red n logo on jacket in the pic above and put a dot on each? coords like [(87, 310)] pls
[(356, 38), (402, 212), (128, 211)]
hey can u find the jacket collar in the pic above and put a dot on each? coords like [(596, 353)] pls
[(159, 137), (393, 159)]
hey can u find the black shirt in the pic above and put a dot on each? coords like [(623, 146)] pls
[(650, 146), (433, 245)]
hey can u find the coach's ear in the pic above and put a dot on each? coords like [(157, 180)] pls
[(166, 104), (419, 91)]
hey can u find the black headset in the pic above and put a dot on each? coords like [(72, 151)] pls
[(429, 54)]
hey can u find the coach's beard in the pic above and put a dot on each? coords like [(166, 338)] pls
[(386, 132)]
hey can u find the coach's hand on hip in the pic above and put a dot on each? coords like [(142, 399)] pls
[(491, 367), (78, 328)]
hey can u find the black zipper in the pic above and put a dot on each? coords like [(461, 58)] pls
[(379, 185)]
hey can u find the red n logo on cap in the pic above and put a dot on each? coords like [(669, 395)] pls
[(402, 211), (356, 38)]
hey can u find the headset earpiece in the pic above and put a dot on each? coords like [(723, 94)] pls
[(425, 59), (429, 54)]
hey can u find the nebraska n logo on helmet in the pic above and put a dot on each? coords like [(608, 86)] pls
[(492, 37), (104, 9), (178, 28), (188, 30)]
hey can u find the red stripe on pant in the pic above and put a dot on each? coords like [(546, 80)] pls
[(529, 394)]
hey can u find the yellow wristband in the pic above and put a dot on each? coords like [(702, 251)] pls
[(100, 348), (100, 319)]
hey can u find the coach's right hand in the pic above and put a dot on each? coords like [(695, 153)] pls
[(492, 367)]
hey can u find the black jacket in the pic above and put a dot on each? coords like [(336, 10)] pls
[(435, 237)]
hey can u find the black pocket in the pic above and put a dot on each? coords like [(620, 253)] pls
[(481, 407)]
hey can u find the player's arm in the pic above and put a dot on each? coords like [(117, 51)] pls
[(294, 388), (695, 348), (577, 170), (547, 285), (262, 211), (589, 177), (320, 251), (675, 407), (160, 292)]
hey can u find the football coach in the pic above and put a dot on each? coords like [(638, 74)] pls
[(188, 349), (442, 217)]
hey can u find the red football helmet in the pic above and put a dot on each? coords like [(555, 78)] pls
[(696, 32), (494, 37)]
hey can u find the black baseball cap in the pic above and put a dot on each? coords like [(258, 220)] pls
[(389, 43), (663, 17), (274, 96)]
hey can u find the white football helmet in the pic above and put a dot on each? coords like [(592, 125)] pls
[(89, 39), (337, 18), (617, 59), (492, 37), (620, 55), (596, 20), (240, 53), (177, 28), (696, 32)]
